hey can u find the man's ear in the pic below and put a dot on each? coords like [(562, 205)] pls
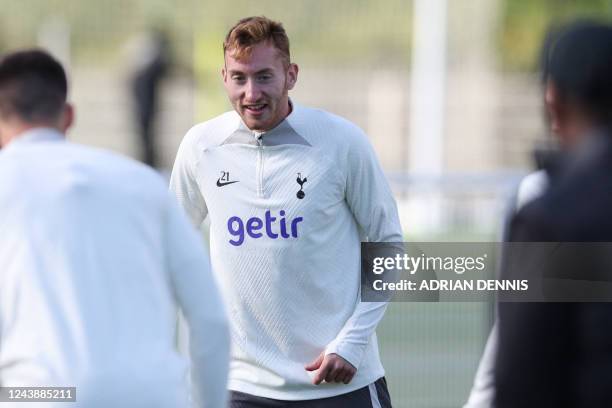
[(67, 119), (554, 108), (292, 75), (224, 74)]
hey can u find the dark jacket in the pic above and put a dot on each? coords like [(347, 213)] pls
[(560, 354)]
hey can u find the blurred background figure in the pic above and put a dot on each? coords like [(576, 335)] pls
[(150, 63), (560, 354)]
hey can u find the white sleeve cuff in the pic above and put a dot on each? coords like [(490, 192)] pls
[(350, 352)]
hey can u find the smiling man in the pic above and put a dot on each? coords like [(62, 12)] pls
[(257, 79), (290, 193)]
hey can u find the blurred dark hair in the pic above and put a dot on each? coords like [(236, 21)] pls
[(577, 58), (33, 86)]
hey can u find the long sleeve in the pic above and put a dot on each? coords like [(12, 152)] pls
[(483, 389), (199, 298), (183, 181), (370, 199)]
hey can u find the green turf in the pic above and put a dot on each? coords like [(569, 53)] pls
[(431, 350)]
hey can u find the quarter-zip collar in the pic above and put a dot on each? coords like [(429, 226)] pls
[(283, 133), (260, 135)]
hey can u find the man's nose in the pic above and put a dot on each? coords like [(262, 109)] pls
[(252, 91)]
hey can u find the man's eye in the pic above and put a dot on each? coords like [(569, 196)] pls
[(264, 77), (237, 78)]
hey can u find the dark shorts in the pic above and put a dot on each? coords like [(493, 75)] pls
[(376, 395)]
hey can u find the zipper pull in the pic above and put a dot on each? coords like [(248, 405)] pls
[(259, 137)]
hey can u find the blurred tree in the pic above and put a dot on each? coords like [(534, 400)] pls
[(99, 29), (525, 23)]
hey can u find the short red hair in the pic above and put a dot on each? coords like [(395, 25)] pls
[(251, 31)]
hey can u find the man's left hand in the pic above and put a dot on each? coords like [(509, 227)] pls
[(331, 368)]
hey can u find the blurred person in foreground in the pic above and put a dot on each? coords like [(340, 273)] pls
[(560, 354), (95, 255), (547, 157), (290, 192)]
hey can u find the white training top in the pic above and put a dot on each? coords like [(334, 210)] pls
[(94, 256), (286, 211)]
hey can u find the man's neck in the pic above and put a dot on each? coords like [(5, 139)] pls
[(12, 131)]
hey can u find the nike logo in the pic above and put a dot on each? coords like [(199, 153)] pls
[(220, 184)]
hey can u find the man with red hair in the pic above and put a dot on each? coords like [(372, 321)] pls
[(290, 193)]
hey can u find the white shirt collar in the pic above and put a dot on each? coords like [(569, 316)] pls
[(39, 134)]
